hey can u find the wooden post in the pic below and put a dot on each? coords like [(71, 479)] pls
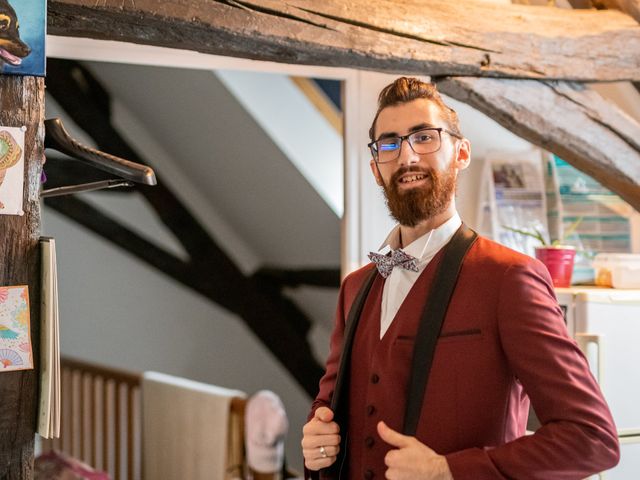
[(22, 103)]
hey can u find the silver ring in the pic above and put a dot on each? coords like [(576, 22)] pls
[(323, 452)]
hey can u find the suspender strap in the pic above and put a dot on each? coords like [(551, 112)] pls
[(433, 315), (350, 331)]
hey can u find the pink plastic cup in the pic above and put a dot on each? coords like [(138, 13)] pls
[(559, 262)]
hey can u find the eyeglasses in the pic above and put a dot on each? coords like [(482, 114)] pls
[(427, 140)]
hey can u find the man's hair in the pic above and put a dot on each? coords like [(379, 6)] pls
[(406, 89)]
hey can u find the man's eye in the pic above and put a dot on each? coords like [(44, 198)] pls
[(423, 138), (388, 145)]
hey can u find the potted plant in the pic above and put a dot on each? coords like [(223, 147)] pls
[(557, 257)]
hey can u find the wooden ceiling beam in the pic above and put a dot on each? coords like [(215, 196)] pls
[(568, 119), (426, 37)]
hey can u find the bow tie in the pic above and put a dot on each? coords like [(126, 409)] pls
[(397, 258)]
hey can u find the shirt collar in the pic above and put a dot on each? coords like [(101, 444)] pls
[(427, 245)]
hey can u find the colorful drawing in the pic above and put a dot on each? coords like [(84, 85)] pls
[(10, 358), (22, 37), (11, 168), (7, 333), (15, 337)]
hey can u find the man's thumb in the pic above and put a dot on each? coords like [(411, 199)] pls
[(324, 414), (392, 437)]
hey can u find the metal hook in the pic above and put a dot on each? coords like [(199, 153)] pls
[(57, 138)]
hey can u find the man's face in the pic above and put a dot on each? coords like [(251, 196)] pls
[(418, 187)]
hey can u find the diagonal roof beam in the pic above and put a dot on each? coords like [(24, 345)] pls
[(570, 120)]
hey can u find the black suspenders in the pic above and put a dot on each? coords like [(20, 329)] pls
[(433, 315)]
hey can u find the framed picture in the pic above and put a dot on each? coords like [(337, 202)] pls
[(15, 336), (11, 170), (23, 26)]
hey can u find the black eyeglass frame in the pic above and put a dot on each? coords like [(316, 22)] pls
[(374, 150)]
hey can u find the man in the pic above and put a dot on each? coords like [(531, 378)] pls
[(502, 341)]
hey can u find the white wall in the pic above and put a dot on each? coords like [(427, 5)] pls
[(119, 312)]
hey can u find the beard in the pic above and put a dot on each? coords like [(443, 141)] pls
[(415, 205)]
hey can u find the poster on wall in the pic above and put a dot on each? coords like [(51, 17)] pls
[(23, 26), (11, 170), (15, 337)]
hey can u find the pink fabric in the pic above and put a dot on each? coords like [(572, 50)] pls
[(58, 466), (266, 428)]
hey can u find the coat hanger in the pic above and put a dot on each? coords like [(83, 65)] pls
[(128, 173)]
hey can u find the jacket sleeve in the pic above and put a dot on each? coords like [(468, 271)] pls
[(328, 380), (577, 437)]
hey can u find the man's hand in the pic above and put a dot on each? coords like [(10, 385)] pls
[(320, 440), (412, 459)]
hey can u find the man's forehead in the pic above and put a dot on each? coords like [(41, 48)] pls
[(404, 117)]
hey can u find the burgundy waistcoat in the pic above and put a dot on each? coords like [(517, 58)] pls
[(387, 362)]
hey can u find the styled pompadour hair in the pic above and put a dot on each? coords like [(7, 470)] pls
[(406, 89)]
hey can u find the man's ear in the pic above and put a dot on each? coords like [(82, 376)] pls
[(463, 156), (376, 172)]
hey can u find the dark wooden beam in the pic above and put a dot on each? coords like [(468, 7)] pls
[(427, 37), (22, 103), (570, 120), (272, 317)]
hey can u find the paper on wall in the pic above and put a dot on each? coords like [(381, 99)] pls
[(15, 337), (11, 170)]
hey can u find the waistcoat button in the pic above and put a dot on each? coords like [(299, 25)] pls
[(369, 442), (368, 474), (375, 378), (371, 410)]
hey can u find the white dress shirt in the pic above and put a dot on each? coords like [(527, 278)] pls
[(424, 248)]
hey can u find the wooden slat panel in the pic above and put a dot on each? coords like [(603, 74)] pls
[(76, 416), (106, 432), (65, 413), (118, 431), (92, 419), (130, 432), (100, 408)]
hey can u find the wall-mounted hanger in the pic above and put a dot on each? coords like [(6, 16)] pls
[(57, 138)]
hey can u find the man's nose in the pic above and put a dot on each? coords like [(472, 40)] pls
[(407, 156)]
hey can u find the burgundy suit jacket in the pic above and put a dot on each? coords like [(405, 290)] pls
[(503, 342)]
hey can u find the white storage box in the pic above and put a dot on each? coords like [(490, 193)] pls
[(617, 270)]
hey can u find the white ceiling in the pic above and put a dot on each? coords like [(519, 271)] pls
[(231, 162)]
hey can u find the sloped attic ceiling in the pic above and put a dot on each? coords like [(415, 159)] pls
[(230, 160)]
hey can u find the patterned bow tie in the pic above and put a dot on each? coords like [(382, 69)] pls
[(397, 258)]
